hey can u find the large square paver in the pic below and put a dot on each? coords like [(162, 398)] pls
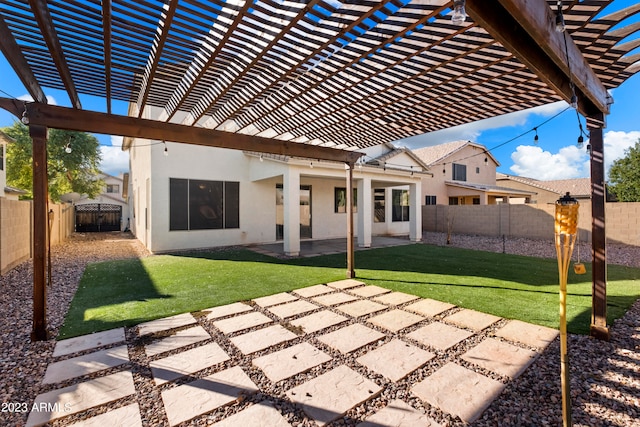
[(179, 339), (398, 414), (369, 291), (165, 324), (290, 361), (472, 319), (190, 400), (361, 308), (87, 364), (395, 320), (458, 391), (345, 284), (350, 338), (292, 309), (128, 416), (313, 291), (395, 298), (396, 359), (187, 362), (242, 321), (263, 338), (270, 300), (527, 333), (87, 342), (439, 336), (80, 397), (334, 299), (429, 307), (500, 357), (332, 394), (262, 414), (227, 310), (317, 321)]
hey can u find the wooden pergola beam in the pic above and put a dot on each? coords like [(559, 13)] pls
[(106, 24), (527, 29), (12, 52), (90, 121), (43, 16)]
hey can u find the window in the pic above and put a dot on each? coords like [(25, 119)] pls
[(453, 200), (340, 200), (477, 170), (400, 211), (459, 172), (113, 188), (430, 200), (1, 157), (203, 205), (378, 205), (476, 200)]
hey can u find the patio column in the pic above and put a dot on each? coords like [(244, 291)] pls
[(415, 212), (40, 195), (291, 193), (599, 327), (351, 272), (365, 212)]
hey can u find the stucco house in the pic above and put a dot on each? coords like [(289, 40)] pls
[(463, 173), (547, 191), (185, 196), (6, 191), (109, 211)]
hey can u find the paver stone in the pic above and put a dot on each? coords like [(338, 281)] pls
[(350, 338), (128, 416), (181, 338), (227, 310), (472, 319), (86, 364), (318, 321), (190, 400), (334, 299), (313, 291), (396, 359), (395, 298), (87, 342), (332, 394), (429, 307), (241, 322), (270, 300), (259, 340), (500, 357), (290, 361), (439, 335), (262, 414), (292, 309), (527, 333), (345, 284), (166, 323), (369, 291), (187, 362), (361, 308), (398, 414), (395, 320), (458, 391)]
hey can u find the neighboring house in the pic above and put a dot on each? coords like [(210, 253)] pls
[(547, 192), (464, 173), (6, 191), (186, 196), (107, 212)]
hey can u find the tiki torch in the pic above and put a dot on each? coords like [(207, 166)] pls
[(566, 227)]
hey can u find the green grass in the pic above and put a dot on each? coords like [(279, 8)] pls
[(128, 292)]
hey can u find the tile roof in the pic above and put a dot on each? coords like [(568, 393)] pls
[(437, 153), (575, 186)]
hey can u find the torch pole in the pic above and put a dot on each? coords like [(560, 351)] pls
[(566, 224)]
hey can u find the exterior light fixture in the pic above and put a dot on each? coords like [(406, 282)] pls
[(560, 27), (580, 141), (486, 161), (261, 159), (536, 138), (574, 101), (459, 13), (25, 116), (67, 148), (166, 151), (310, 165)]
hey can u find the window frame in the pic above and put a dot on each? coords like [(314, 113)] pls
[(340, 200), (400, 205), (203, 204)]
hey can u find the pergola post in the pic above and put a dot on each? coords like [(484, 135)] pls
[(599, 329), (40, 195), (351, 272)]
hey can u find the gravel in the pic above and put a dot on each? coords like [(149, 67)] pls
[(605, 376)]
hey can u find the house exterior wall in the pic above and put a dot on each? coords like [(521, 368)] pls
[(477, 172)]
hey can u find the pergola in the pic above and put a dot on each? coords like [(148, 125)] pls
[(319, 79)]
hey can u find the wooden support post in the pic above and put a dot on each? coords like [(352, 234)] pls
[(599, 329), (351, 272), (40, 225)]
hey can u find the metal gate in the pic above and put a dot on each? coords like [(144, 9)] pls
[(98, 217)]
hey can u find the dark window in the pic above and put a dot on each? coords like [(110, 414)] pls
[(477, 170), (378, 205), (476, 200), (400, 211), (430, 200), (453, 200), (113, 188), (1, 157), (340, 200), (203, 205), (459, 172)]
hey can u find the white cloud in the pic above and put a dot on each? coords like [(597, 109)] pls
[(569, 162), (28, 98), (114, 160), (471, 131)]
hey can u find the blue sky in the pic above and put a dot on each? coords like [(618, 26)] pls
[(555, 156)]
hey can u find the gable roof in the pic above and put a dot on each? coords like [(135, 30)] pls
[(438, 153), (575, 186), (396, 151)]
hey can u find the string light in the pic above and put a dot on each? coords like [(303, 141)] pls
[(25, 116), (166, 150), (261, 159), (67, 148), (560, 26), (536, 138), (459, 13)]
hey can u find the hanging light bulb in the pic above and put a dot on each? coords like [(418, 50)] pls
[(589, 148), (166, 151), (444, 169), (67, 148), (574, 101), (580, 141), (459, 13), (25, 116), (261, 159), (486, 161), (536, 138), (560, 27), (311, 165)]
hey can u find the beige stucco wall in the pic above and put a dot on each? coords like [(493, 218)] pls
[(531, 221)]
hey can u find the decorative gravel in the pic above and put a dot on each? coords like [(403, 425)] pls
[(605, 376)]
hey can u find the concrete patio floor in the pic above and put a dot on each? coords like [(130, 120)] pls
[(309, 248), (336, 351)]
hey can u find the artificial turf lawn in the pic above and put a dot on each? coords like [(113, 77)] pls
[(127, 292)]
